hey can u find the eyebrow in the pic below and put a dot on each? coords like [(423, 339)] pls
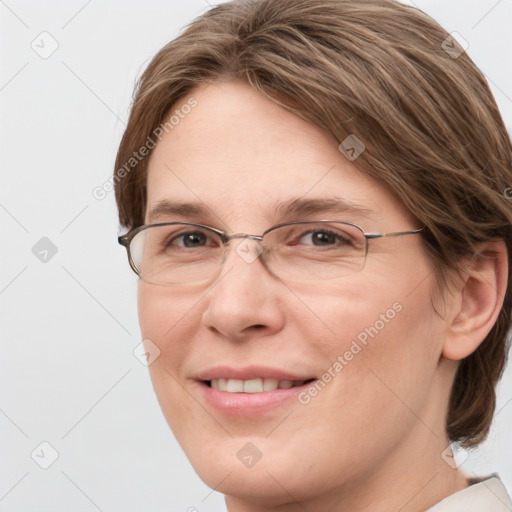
[(293, 207)]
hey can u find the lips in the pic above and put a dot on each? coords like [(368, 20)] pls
[(251, 390)]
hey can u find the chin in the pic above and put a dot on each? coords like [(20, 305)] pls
[(255, 468)]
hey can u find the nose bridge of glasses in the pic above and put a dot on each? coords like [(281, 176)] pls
[(247, 251), (245, 235)]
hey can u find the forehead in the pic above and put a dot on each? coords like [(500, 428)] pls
[(236, 153)]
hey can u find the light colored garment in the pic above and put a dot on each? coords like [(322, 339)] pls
[(486, 494)]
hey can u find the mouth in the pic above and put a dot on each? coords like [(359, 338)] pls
[(252, 391), (257, 385)]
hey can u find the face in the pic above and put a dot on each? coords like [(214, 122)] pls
[(371, 341)]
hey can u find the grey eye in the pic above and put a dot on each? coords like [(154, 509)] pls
[(192, 239)]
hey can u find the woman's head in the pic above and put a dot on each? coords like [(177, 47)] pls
[(263, 102)]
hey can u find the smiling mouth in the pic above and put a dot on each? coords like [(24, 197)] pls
[(258, 385)]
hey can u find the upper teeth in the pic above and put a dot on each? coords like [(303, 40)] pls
[(252, 385)]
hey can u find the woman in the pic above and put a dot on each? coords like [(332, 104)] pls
[(314, 193)]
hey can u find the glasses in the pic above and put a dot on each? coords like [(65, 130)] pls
[(181, 253)]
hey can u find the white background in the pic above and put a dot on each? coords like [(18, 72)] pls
[(69, 326)]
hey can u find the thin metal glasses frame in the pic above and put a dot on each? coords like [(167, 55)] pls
[(125, 240)]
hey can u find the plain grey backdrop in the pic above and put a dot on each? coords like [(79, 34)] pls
[(80, 426)]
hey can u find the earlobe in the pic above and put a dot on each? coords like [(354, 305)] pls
[(479, 300)]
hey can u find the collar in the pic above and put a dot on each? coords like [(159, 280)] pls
[(485, 494)]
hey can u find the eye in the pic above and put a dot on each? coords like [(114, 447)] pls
[(325, 237), (190, 240)]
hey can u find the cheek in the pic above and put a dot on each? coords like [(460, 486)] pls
[(382, 361), (167, 321), (393, 333), (170, 324)]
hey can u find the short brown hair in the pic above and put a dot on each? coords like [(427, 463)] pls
[(378, 70)]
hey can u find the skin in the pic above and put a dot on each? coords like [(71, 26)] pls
[(372, 439)]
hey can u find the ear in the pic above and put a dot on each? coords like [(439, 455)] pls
[(479, 298)]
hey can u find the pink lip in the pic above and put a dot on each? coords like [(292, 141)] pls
[(249, 404), (249, 372)]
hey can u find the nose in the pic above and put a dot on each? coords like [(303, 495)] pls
[(244, 301)]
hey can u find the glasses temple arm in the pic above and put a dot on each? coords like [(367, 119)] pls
[(370, 236)]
